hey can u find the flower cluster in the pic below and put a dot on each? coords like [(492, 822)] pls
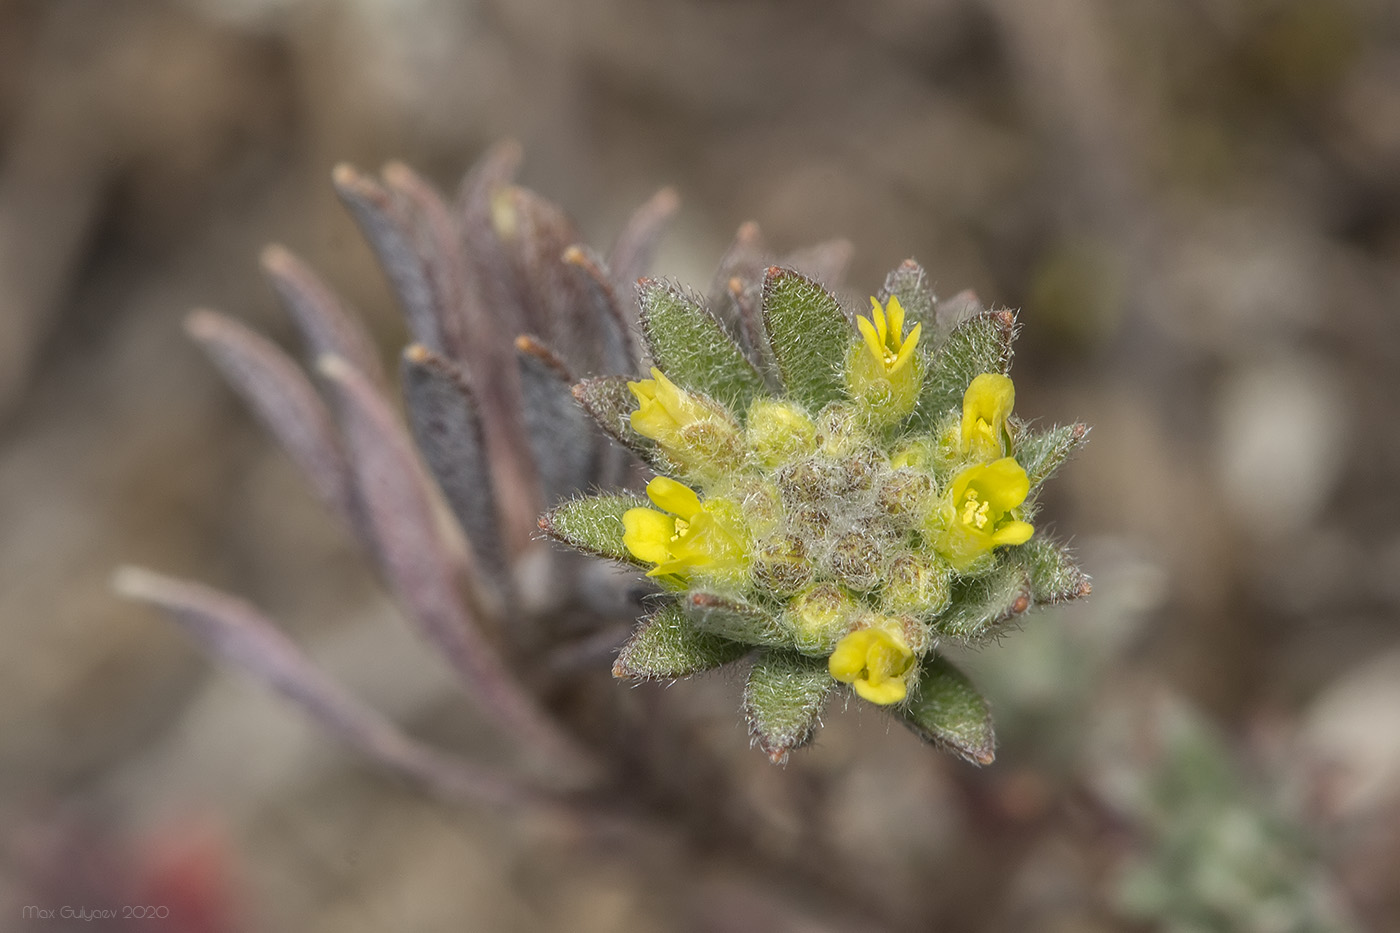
[(841, 498)]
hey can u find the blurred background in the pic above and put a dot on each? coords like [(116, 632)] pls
[(1194, 203)]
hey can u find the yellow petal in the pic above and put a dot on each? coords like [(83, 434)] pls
[(872, 339), (647, 534), (987, 404), (891, 691), (1013, 532), (676, 498), (894, 311)]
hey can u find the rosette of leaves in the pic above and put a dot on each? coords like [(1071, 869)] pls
[(836, 496)]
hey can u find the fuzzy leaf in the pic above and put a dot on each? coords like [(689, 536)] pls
[(443, 414), (981, 345), (593, 524), (783, 700), (909, 283), (947, 711), (636, 244), (692, 349), (809, 335), (284, 400), (598, 304), (1042, 452), (561, 434), (951, 312), (1054, 576), (236, 633), (982, 605), (608, 400), (326, 325), (421, 565), (733, 619), (667, 646)]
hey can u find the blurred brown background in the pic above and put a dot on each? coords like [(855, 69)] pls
[(1195, 203)]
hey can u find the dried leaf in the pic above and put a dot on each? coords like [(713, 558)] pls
[(562, 436), (632, 254), (598, 302), (443, 416), (236, 633), (413, 267)]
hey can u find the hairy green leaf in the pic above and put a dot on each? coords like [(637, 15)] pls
[(783, 700), (593, 524), (980, 606), (947, 711), (981, 345), (693, 349), (667, 645), (809, 335), (733, 619), (1042, 452), (909, 283), (1054, 576)]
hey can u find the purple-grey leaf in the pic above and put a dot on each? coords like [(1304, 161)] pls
[(326, 325), (236, 633), (443, 416), (390, 230), (420, 567), (825, 262), (284, 400), (563, 437), (635, 248), (616, 348)]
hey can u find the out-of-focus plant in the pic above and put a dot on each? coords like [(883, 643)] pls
[(1211, 850)]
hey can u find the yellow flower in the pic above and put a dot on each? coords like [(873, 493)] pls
[(688, 535), (986, 406), (883, 370), (977, 512), (663, 408), (876, 662), (698, 435)]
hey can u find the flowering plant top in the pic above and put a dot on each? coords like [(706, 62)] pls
[(838, 497)]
